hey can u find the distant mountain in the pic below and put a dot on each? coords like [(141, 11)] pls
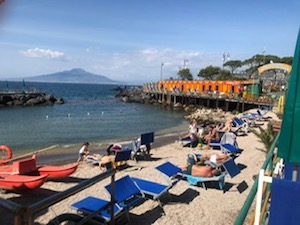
[(72, 76)]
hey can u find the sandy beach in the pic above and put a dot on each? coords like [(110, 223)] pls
[(188, 204)]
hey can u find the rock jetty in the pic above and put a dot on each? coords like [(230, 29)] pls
[(28, 99), (134, 94)]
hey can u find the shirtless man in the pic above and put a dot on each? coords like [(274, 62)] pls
[(199, 170)]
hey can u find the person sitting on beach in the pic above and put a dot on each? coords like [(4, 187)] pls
[(199, 170), (192, 131), (212, 135)]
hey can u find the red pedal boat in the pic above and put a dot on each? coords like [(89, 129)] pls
[(28, 167), (21, 182), (57, 172)]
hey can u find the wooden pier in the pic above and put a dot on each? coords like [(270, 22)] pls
[(226, 103)]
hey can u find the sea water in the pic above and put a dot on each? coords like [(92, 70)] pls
[(90, 113)]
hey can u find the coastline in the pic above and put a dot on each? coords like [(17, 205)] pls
[(57, 154), (188, 205)]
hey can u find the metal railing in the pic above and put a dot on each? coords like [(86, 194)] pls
[(249, 200), (26, 215)]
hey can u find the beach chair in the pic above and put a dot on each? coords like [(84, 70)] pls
[(126, 194), (96, 209), (228, 144), (285, 201), (142, 146), (175, 173), (231, 167), (239, 126), (230, 149), (152, 190)]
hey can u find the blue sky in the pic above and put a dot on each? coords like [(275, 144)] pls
[(129, 40)]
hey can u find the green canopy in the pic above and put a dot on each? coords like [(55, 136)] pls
[(289, 139)]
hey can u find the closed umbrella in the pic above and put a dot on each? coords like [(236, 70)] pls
[(289, 139)]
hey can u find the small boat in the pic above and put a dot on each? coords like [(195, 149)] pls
[(57, 172), (21, 182), (28, 166)]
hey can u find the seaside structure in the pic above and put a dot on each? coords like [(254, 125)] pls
[(239, 95)]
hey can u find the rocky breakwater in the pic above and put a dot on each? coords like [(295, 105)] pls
[(135, 94), (28, 99)]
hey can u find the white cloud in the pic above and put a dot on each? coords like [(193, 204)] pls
[(43, 53), (145, 64)]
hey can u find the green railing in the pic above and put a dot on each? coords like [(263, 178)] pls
[(248, 202)]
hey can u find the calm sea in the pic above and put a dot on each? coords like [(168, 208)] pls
[(90, 113)]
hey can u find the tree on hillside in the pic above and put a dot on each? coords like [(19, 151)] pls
[(233, 65), (185, 74), (209, 73)]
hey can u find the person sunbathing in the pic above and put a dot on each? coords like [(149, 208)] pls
[(104, 160), (199, 170), (214, 157)]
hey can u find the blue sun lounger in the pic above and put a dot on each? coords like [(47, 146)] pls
[(126, 196), (126, 193), (230, 149), (142, 146), (174, 172), (96, 208), (285, 200), (152, 190), (131, 191)]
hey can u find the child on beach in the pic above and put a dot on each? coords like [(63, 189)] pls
[(83, 152)]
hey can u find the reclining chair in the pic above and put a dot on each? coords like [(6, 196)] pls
[(142, 146)]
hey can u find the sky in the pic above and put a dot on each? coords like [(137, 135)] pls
[(140, 40)]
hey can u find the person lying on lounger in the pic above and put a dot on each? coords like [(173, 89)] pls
[(199, 170), (214, 157)]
